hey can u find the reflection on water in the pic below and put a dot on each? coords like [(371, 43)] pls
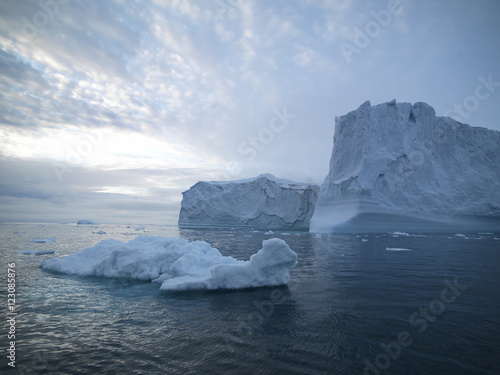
[(346, 299)]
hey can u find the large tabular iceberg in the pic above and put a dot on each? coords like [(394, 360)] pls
[(397, 163), (264, 202), (180, 265)]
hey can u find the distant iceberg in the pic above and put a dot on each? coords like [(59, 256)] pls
[(398, 166), (178, 264), (263, 202), (86, 222)]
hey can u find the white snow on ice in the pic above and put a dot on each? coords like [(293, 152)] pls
[(178, 264)]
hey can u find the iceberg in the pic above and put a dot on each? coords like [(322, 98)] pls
[(178, 264), (398, 166), (85, 222), (263, 202)]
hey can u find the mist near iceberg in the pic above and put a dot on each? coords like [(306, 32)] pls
[(179, 264)]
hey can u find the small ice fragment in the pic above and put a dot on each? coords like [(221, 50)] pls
[(36, 252), (397, 249), (44, 240), (400, 233)]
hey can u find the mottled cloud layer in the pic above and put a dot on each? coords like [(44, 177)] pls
[(109, 110)]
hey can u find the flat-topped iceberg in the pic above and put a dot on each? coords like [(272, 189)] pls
[(85, 222), (178, 264), (398, 163), (263, 202)]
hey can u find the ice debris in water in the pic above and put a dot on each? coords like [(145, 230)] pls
[(178, 264), (36, 252), (43, 240), (400, 234)]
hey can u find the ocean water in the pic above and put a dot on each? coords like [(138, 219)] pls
[(356, 304)]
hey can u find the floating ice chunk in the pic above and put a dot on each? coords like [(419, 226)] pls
[(44, 240), (270, 266), (36, 252), (364, 240), (99, 232), (400, 233), (179, 264), (460, 235), (397, 249)]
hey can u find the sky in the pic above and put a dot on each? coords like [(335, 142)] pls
[(109, 110)]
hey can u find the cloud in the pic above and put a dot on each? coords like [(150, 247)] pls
[(30, 190), (136, 101)]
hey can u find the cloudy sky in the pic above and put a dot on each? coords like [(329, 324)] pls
[(110, 109)]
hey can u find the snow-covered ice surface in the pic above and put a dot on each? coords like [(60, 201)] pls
[(179, 264), (263, 202), (401, 159)]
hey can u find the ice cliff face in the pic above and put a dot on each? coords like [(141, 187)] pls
[(262, 202), (402, 158)]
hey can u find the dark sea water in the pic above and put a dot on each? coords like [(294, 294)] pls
[(352, 307)]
